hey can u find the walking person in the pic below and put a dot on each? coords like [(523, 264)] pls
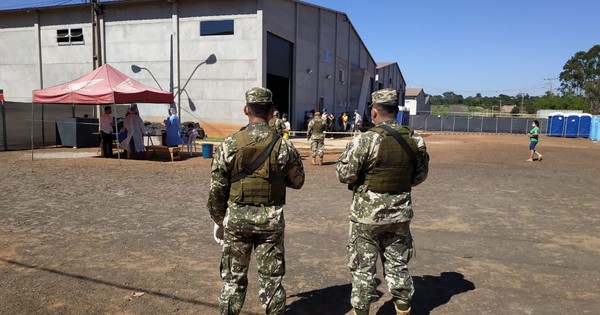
[(533, 141), (277, 123), (357, 122), (316, 136), (250, 172), (380, 166)]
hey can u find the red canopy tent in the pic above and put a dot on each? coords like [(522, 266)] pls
[(105, 85)]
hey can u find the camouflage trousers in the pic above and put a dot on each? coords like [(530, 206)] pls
[(269, 252), (393, 243), (316, 147)]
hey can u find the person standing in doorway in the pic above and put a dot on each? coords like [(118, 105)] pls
[(381, 166), (107, 126), (249, 175), (533, 141)]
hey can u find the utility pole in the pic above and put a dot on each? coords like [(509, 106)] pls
[(96, 40), (522, 97), (550, 91), (96, 9)]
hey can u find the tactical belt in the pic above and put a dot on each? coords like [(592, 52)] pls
[(249, 170), (409, 151)]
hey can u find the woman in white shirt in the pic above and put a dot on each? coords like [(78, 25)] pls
[(134, 125)]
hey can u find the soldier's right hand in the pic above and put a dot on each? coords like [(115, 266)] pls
[(218, 234)]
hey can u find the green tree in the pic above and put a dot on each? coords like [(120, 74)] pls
[(568, 102), (581, 76)]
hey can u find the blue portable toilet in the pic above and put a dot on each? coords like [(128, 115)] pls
[(572, 126), (403, 117), (556, 125), (595, 129), (585, 125)]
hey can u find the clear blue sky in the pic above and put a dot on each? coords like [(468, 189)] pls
[(466, 46)]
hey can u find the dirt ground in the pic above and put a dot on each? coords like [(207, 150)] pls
[(494, 234)]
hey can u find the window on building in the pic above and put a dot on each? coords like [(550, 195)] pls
[(69, 36), (390, 81), (341, 78), (326, 56), (214, 28)]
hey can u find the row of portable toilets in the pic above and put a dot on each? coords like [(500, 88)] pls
[(574, 126)]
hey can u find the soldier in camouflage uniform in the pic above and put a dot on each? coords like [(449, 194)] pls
[(381, 171), (277, 124), (316, 136), (246, 203)]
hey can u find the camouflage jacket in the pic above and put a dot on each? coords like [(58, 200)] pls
[(311, 133), (244, 217), (378, 208), (277, 125)]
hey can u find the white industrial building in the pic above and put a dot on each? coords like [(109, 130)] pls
[(416, 101), (207, 52)]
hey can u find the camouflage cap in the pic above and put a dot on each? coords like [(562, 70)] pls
[(259, 95), (387, 97)]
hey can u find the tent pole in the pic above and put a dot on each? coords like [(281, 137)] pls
[(4, 135), (32, 131), (114, 110)]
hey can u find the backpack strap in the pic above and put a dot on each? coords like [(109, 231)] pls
[(249, 170)]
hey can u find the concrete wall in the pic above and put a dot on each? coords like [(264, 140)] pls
[(214, 93), (217, 90), (19, 54)]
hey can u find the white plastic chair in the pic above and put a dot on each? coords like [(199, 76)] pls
[(191, 142)]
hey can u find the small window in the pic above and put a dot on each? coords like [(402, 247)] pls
[(76, 36), (73, 36), (326, 56), (214, 28), (341, 76)]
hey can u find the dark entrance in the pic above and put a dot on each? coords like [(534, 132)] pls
[(280, 86), (279, 73)]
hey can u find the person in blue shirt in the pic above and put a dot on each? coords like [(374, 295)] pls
[(172, 123)]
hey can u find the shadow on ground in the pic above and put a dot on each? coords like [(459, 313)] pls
[(327, 301), (430, 292), (92, 280), (433, 291)]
